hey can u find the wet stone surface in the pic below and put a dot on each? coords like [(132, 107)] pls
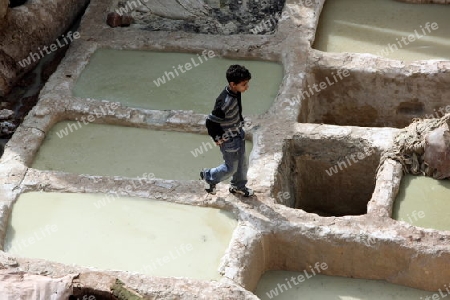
[(232, 17)]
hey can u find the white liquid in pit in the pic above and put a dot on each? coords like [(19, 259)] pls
[(128, 77), (423, 201), (130, 234), (378, 26), (108, 150), (321, 287)]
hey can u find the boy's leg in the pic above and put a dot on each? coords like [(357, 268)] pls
[(239, 179), (209, 188), (229, 166)]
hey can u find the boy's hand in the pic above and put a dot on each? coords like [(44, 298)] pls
[(220, 142)]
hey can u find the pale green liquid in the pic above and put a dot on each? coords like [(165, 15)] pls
[(127, 77), (369, 26), (423, 194), (109, 150), (322, 287), (125, 233)]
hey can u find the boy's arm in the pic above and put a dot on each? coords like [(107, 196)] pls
[(214, 130)]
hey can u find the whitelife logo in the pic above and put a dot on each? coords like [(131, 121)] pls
[(281, 287), (36, 236), (406, 40), (74, 126), (187, 66), (36, 56)]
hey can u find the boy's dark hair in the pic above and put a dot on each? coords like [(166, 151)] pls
[(237, 74)]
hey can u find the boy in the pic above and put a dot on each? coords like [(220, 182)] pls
[(224, 125)]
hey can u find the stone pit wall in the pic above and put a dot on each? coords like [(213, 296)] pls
[(376, 92), (272, 232), (335, 182), (28, 28)]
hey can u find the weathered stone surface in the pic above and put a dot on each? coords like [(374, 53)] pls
[(3, 11), (28, 29), (6, 114), (27, 286), (387, 185), (213, 17), (172, 9)]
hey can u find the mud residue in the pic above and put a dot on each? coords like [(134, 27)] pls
[(230, 17)]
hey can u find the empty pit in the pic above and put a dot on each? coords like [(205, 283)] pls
[(110, 150), (173, 81), (375, 97), (284, 285), (106, 231), (422, 202), (386, 28), (336, 182)]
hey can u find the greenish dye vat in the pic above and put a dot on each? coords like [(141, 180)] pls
[(108, 150), (387, 28), (284, 285), (423, 202), (131, 77), (106, 231)]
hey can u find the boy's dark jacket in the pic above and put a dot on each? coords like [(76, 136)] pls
[(216, 122)]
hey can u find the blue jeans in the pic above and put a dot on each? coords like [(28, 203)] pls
[(235, 163)]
